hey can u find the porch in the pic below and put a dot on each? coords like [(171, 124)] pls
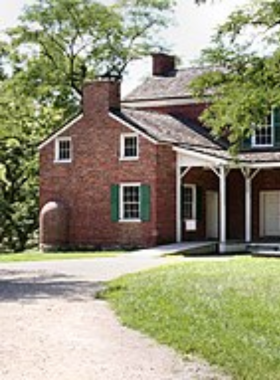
[(232, 202)]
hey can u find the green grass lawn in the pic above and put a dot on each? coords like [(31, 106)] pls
[(225, 312), (39, 256)]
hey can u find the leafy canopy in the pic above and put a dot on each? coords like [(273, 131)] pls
[(244, 70), (67, 41)]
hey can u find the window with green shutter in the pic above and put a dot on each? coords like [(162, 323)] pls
[(130, 202)]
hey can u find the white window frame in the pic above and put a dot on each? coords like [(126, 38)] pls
[(57, 150), (194, 200), (121, 202), (271, 125), (124, 136)]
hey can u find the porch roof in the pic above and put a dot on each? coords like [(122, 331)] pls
[(254, 158)]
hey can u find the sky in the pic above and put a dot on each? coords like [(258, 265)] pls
[(191, 31)]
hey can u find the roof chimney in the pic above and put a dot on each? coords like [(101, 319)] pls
[(163, 64), (101, 96)]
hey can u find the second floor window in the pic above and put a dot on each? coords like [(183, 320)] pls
[(129, 146), (263, 135), (63, 149)]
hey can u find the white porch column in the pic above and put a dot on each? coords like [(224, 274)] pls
[(178, 202), (249, 175), (223, 214), (248, 209)]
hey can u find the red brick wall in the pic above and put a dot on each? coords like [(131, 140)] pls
[(235, 205), (84, 185), (166, 194)]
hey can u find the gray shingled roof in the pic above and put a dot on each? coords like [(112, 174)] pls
[(173, 85), (167, 128), (187, 135)]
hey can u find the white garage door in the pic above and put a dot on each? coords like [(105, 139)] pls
[(270, 213)]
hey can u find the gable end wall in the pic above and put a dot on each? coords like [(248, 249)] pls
[(84, 185)]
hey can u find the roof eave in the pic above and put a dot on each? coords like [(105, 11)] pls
[(201, 155), (54, 135)]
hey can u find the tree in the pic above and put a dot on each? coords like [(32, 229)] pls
[(58, 44), (244, 71), (24, 122)]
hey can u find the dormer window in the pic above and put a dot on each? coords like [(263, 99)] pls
[(63, 149), (129, 146), (264, 135)]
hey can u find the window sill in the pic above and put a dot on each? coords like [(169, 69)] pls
[(130, 220), (262, 145), (129, 158), (62, 161)]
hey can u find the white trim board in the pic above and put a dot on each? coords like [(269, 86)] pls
[(198, 159), (262, 165), (62, 130)]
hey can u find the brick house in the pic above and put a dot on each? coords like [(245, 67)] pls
[(144, 171)]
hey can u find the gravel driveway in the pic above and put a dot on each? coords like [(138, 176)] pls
[(53, 328)]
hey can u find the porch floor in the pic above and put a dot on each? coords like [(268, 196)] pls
[(211, 247), (265, 249), (175, 248)]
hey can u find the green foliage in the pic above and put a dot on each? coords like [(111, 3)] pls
[(23, 124), (65, 42), (244, 84), (226, 312)]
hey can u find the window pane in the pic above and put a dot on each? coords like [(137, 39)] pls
[(188, 199), (64, 150), (131, 202), (130, 146), (263, 134)]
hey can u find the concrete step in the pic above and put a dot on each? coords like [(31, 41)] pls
[(269, 249)]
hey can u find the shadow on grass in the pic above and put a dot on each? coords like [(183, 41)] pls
[(29, 287)]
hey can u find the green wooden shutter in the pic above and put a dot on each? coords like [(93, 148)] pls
[(145, 202), (276, 125), (115, 190), (199, 203)]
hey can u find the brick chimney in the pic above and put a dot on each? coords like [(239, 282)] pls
[(163, 64), (100, 96)]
